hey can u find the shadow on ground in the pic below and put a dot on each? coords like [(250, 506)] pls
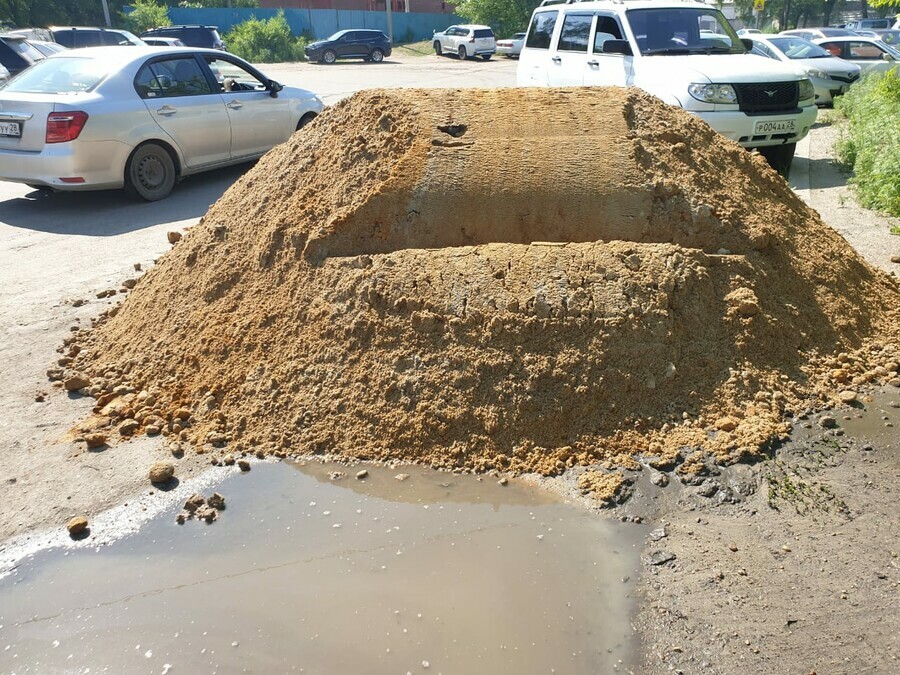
[(110, 212)]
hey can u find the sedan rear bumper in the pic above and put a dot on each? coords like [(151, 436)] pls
[(94, 165)]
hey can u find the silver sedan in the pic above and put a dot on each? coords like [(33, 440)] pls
[(141, 118)]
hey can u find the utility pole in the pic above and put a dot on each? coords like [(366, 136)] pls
[(387, 9), (106, 12)]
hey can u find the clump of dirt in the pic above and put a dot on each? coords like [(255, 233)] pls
[(604, 487), (589, 275)]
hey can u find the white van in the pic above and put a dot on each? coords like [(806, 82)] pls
[(686, 53)]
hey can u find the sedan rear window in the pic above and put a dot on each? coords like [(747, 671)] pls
[(59, 75)]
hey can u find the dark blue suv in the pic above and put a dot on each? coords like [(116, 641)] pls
[(369, 45)]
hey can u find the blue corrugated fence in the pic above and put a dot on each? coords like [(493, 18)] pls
[(320, 23)]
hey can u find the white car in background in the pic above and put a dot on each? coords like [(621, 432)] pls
[(466, 41), (511, 46), (830, 76), (870, 54), (141, 118)]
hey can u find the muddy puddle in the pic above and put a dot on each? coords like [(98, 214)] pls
[(437, 573)]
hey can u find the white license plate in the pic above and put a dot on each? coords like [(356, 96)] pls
[(774, 127), (10, 129)]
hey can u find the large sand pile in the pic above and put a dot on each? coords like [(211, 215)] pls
[(519, 279)]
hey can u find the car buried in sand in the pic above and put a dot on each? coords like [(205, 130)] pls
[(141, 118)]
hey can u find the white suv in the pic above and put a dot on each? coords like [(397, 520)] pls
[(466, 41), (685, 53)]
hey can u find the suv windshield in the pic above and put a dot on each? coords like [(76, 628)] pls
[(683, 31)]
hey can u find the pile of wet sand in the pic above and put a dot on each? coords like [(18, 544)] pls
[(515, 279)]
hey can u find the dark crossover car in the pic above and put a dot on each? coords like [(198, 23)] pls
[(205, 37), (369, 45)]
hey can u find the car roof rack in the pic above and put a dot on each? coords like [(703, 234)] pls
[(572, 2)]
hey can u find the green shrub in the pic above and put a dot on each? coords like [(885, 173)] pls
[(146, 14), (871, 145), (267, 41)]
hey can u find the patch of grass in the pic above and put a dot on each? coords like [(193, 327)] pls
[(895, 229), (807, 497), (421, 48), (871, 146)]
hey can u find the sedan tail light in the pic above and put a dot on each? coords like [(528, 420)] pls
[(65, 126)]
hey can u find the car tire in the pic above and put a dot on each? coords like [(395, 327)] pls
[(328, 56), (150, 173), (780, 157), (486, 57), (437, 48), (462, 54), (306, 119), (377, 56)]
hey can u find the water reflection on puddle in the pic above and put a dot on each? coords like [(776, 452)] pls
[(434, 574)]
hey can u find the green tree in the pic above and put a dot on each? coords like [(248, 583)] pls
[(146, 15), (267, 41), (504, 16), (886, 4), (28, 13)]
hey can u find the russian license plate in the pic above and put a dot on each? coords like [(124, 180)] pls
[(10, 129), (774, 127)]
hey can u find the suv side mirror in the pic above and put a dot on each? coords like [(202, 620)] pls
[(617, 47), (274, 88)]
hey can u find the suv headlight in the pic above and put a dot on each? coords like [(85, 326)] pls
[(807, 91), (815, 72), (714, 93)]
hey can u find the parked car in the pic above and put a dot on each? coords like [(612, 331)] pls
[(512, 46), (78, 37), (4, 76), (868, 24), (163, 42), (830, 76), (658, 46), (871, 55), (466, 41), (749, 31), (817, 33), (47, 48), (890, 36), (368, 45), (205, 37), (141, 118), (17, 54), (33, 34)]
